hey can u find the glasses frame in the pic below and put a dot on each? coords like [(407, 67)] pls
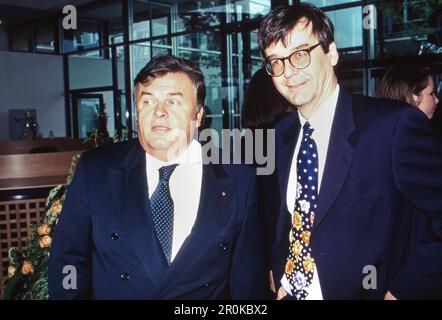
[(308, 50)]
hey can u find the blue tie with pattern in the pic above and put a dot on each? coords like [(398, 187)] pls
[(300, 264), (162, 211)]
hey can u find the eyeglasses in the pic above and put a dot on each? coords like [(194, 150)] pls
[(300, 59)]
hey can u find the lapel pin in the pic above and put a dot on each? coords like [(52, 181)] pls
[(223, 194)]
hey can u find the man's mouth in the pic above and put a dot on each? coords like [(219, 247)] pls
[(160, 129), (296, 85)]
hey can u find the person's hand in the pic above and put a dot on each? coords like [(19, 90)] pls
[(272, 282), (281, 293), (389, 296)]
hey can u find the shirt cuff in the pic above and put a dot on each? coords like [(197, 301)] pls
[(286, 285)]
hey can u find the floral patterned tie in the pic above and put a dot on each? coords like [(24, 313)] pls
[(300, 264)]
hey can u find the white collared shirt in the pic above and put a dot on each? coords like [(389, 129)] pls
[(185, 189), (321, 121)]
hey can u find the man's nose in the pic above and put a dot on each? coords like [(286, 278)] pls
[(289, 70), (160, 110)]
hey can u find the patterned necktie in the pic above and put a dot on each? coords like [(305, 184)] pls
[(162, 211), (300, 264)]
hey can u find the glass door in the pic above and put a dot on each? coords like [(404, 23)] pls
[(92, 111)]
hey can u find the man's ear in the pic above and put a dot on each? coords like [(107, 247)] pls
[(199, 117), (333, 53), (137, 93)]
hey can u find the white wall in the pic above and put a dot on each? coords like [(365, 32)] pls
[(33, 81)]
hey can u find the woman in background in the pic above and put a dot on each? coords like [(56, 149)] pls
[(415, 87), (263, 108), (263, 105)]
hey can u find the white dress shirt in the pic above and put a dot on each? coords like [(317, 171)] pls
[(185, 190), (321, 121)]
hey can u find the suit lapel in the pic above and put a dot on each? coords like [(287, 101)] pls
[(128, 184), (217, 201), (339, 156), (290, 137), (285, 156)]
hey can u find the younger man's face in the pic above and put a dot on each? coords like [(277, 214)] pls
[(304, 87)]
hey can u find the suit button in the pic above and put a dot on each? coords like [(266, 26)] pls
[(124, 276), (223, 247), (114, 236)]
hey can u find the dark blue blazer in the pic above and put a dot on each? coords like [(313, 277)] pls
[(105, 230), (380, 202)]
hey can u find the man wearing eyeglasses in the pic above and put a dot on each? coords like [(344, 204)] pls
[(360, 178)]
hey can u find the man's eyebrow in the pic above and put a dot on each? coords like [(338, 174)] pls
[(145, 93), (177, 93), (293, 50)]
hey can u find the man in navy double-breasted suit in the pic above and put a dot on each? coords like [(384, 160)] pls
[(360, 178), (149, 219)]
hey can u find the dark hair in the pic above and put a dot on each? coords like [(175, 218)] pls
[(401, 83), (263, 105), (163, 64), (279, 22)]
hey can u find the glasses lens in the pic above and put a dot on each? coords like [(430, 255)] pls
[(275, 67), (300, 59), (269, 69)]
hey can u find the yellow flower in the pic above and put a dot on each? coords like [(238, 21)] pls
[(45, 242), (11, 271), (297, 247), (27, 268), (289, 266), (56, 207), (312, 218), (309, 264), (43, 230), (297, 220), (305, 236)]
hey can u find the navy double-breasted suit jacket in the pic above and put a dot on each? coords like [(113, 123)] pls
[(106, 232)]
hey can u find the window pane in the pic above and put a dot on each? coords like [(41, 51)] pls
[(86, 36), (110, 18), (89, 106), (324, 3), (45, 38), (249, 9), (96, 27), (409, 28), (20, 40), (204, 50), (197, 15), (140, 56), (141, 16), (160, 19), (352, 80), (348, 26), (255, 56), (87, 72)]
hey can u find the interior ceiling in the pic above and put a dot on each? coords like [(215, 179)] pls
[(14, 12)]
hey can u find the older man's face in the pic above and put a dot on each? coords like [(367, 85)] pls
[(304, 87), (167, 115)]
